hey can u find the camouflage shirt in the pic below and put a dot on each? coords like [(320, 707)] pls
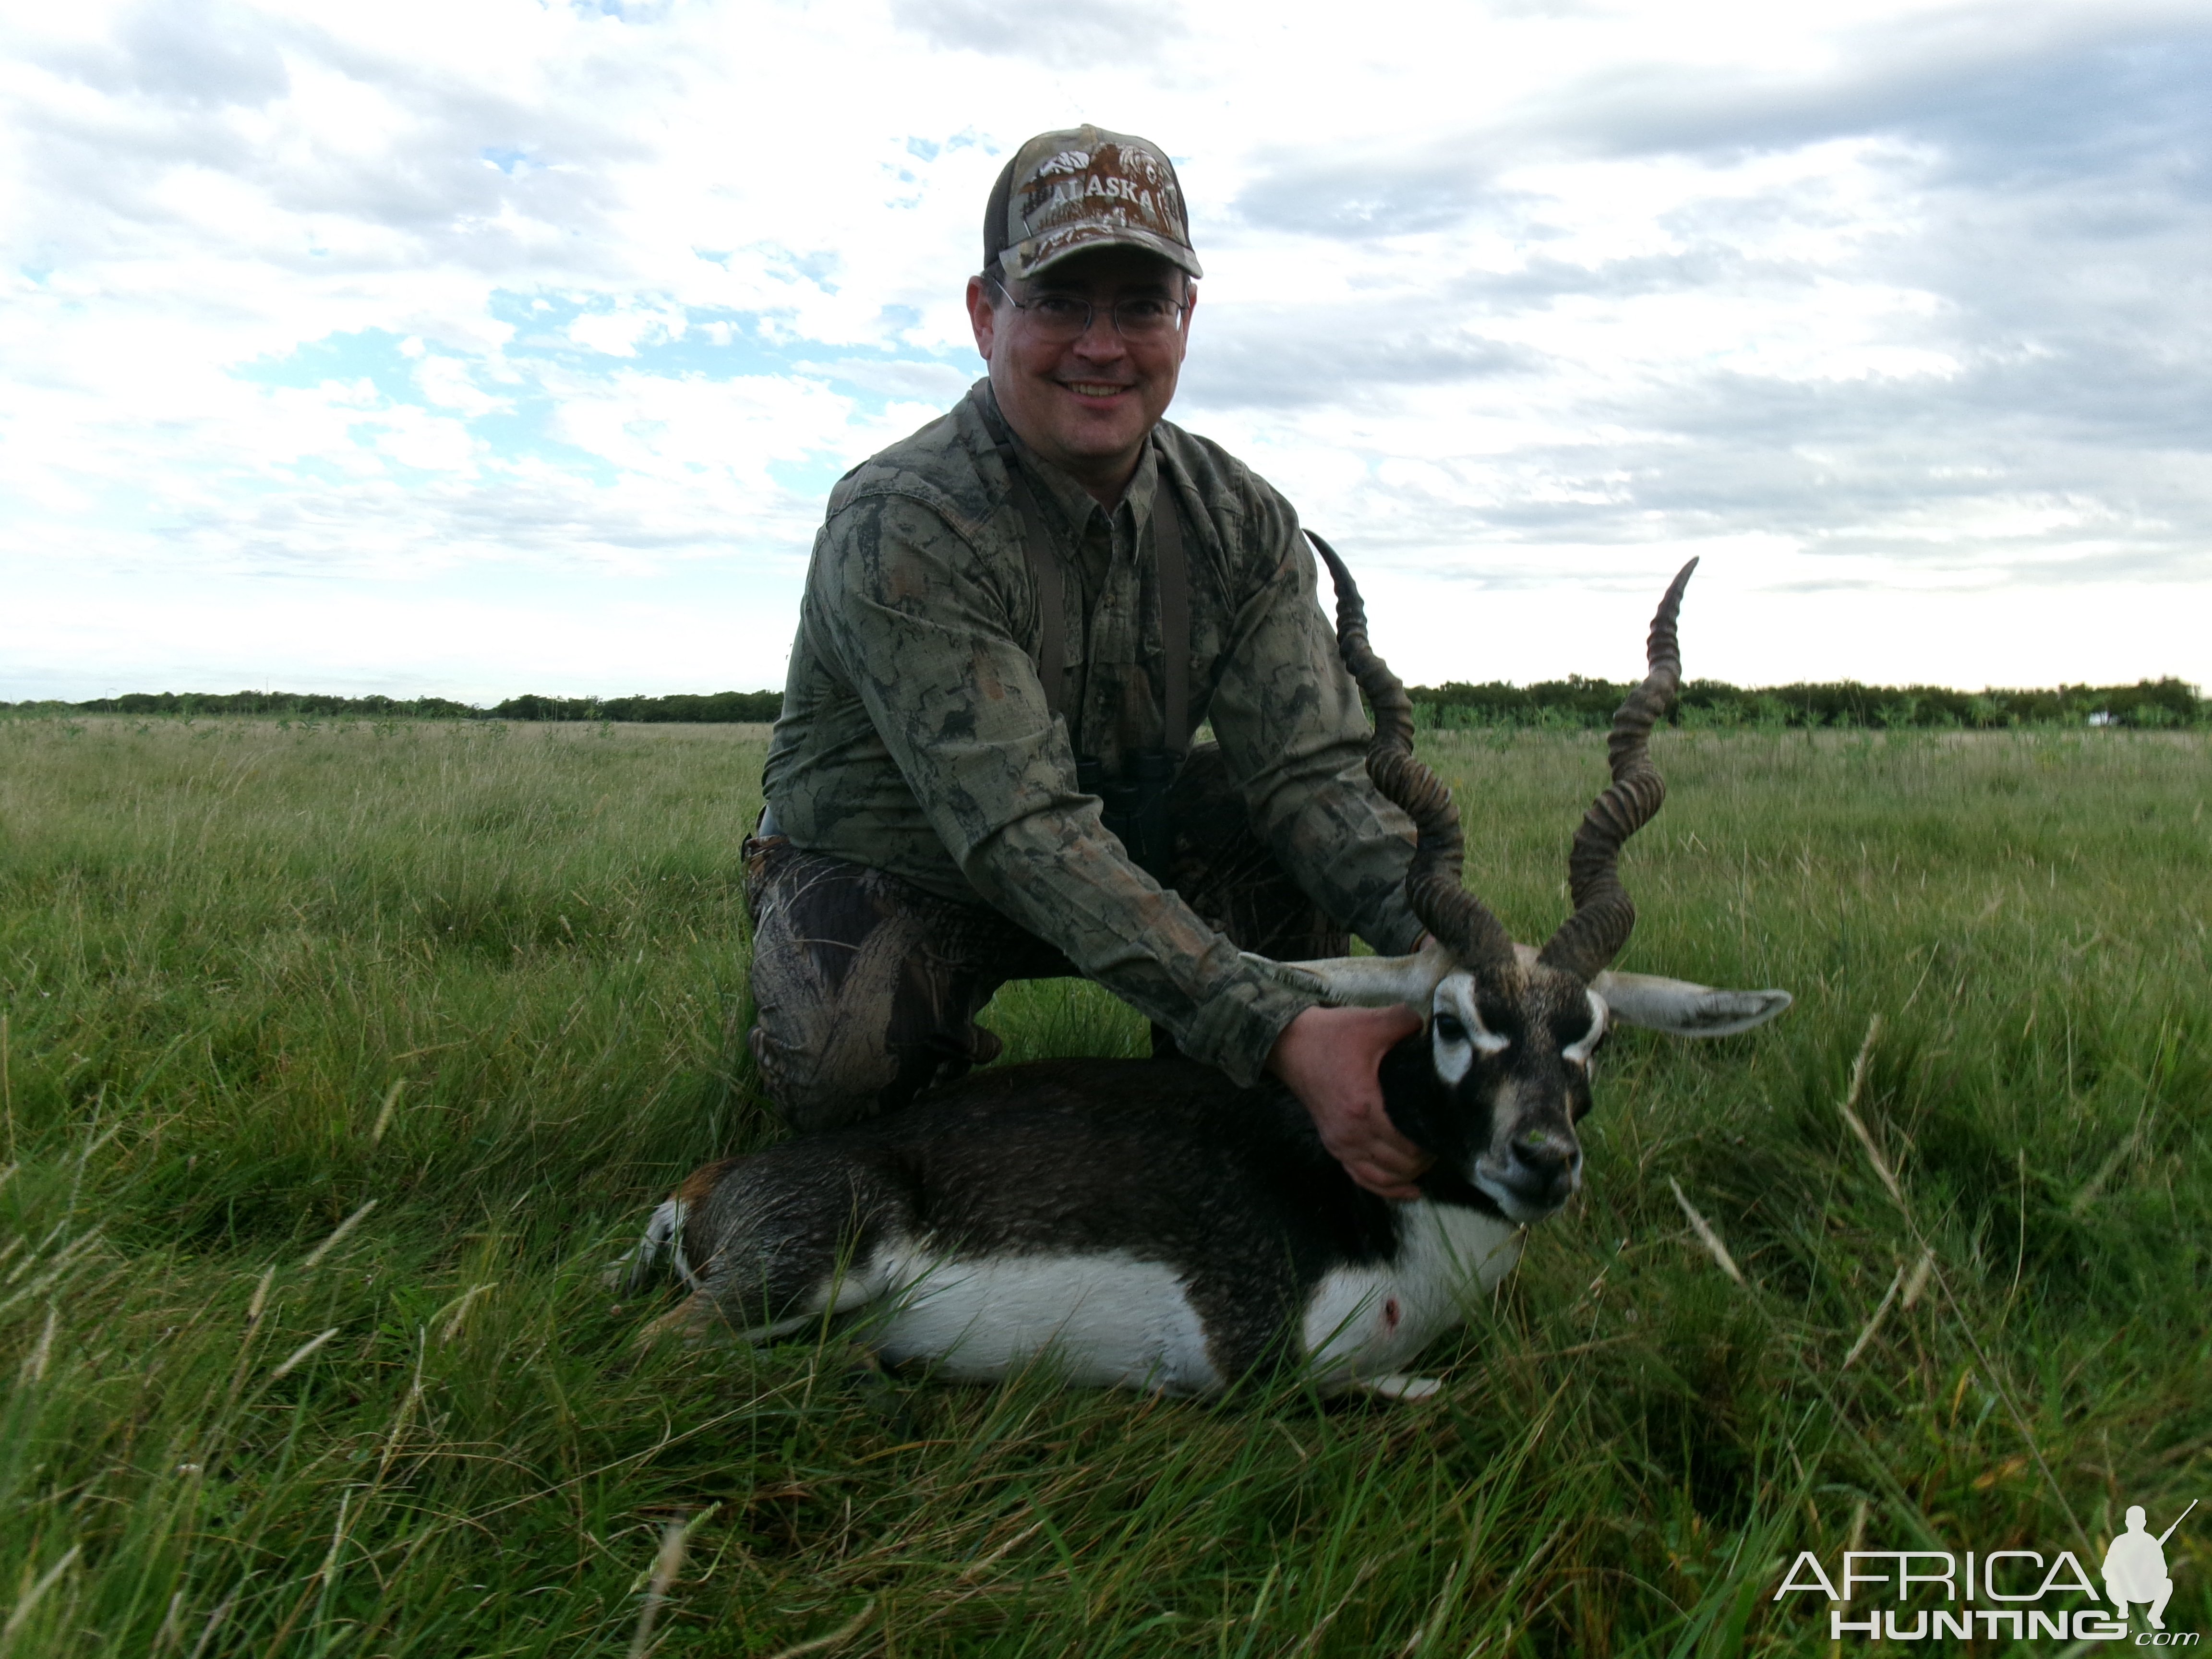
[(915, 735)]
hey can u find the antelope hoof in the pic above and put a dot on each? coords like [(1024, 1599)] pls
[(1395, 1387), (689, 1318)]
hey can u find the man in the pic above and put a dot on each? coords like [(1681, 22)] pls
[(1014, 624), (2134, 1569)]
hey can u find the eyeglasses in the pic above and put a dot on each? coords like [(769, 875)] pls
[(1063, 318)]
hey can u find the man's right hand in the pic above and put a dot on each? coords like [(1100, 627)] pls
[(1331, 1059)]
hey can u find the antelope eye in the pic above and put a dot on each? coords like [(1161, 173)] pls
[(1449, 1029)]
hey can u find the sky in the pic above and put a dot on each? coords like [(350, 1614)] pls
[(484, 346)]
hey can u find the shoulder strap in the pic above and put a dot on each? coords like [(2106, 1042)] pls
[(1044, 569), (1174, 611)]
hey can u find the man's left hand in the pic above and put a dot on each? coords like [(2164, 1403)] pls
[(1331, 1059)]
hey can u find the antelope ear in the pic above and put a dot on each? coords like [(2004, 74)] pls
[(1681, 1009), (1364, 981)]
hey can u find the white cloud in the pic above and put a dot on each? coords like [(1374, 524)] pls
[(619, 332), (1887, 307), (424, 441), (447, 382)]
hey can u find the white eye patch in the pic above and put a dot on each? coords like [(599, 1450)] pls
[(1458, 1033), (1581, 1050), (1452, 1052)]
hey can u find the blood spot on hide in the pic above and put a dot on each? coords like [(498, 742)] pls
[(1390, 1313)]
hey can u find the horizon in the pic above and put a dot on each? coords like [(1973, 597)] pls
[(399, 349), (2140, 683)]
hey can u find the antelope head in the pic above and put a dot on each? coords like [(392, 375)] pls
[(1512, 1033)]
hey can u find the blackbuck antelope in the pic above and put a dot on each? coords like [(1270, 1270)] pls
[(1148, 1224)]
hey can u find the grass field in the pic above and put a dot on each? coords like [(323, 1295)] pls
[(338, 1060)]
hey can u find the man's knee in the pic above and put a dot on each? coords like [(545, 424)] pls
[(817, 1076), (866, 990), (827, 1061), (823, 989)]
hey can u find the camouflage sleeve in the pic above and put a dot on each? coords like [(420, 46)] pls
[(1291, 725), (925, 636)]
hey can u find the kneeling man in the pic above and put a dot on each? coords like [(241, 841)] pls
[(2134, 1570), (1015, 622)]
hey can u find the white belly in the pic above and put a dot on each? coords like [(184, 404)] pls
[(1369, 1322), (1112, 1321), (1107, 1320)]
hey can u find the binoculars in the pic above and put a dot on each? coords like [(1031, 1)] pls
[(1134, 806)]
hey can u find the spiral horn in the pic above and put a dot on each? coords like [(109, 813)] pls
[(1460, 921), (1603, 916)]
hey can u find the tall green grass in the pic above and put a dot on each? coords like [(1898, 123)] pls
[(338, 1061)]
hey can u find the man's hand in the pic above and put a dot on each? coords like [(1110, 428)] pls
[(1331, 1058)]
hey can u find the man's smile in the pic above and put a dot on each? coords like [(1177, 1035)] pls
[(1085, 401)]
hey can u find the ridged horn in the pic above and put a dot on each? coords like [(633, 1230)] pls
[(1603, 917), (1459, 919)]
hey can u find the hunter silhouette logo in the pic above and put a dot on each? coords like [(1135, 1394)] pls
[(2034, 1597), (2135, 1566)]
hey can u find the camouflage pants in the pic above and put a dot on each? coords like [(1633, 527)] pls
[(867, 989)]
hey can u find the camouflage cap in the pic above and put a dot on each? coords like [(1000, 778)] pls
[(1066, 192)]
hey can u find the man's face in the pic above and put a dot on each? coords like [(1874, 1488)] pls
[(1087, 403)]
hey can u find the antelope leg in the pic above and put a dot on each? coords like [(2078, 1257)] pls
[(1681, 1009), (1364, 981)]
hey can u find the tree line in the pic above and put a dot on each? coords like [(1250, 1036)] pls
[(1579, 703), (1455, 705), (717, 707)]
